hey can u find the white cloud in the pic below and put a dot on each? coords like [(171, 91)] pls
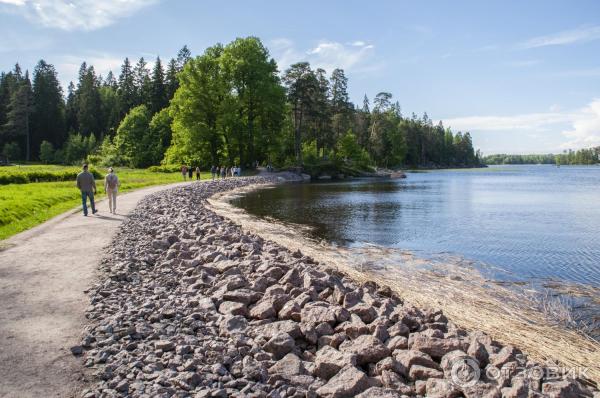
[(581, 127), (581, 34), (77, 14), (585, 130), (356, 56), (529, 121), (13, 2)]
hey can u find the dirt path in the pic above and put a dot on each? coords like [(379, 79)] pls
[(43, 275)]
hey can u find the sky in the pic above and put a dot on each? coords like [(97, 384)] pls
[(520, 76)]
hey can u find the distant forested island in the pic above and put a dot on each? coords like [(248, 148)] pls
[(230, 105), (581, 156)]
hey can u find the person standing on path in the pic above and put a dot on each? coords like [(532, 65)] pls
[(184, 171), (191, 173), (213, 171), (111, 186), (198, 173), (87, 186)]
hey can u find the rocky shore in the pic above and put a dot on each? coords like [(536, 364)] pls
[(189, 305)]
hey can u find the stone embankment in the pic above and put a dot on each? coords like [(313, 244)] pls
[(190, 305)]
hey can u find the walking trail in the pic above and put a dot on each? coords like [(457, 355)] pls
[(43, 275)]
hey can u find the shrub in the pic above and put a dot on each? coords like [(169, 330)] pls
[(167, 168), (46, 152), (11, 150), (29, 176)]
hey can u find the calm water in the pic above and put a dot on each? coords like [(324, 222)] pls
[(535, 222)]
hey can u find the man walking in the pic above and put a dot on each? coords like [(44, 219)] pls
[(111, 186), (87, 186)]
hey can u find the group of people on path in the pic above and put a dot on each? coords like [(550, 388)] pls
[(224, 172), (189, 172), (87, 185)]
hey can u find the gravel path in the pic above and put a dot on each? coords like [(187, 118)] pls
[(43, 275)]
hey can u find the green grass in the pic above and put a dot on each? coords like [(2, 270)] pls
[(23, 206)]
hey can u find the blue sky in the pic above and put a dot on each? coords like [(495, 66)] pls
[(521, 76)]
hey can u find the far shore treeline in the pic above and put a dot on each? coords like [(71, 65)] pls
[(582, 156), (230, 105)]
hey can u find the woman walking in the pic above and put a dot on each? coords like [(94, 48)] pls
[(198, 173), (111, 186), (184, 171)]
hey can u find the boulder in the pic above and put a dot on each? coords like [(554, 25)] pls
[(349, 382), (329, 361), (368, 349), (279, 345)]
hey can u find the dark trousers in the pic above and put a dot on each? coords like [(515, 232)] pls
[(84, 196)]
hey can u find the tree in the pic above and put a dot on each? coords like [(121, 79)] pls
[(19, 111), (126, 91), (135, 141), (171, 82), (143, 84), (89, 103), (196, 108), (48, 116), (301, 84), (183, 56), (158, 97), (71, 109), (252, 75), (46, 152)]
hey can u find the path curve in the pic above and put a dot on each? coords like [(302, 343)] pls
[(43, 275)]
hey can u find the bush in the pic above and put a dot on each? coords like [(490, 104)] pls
[(26, 176), (11, 150), (167, 168), (46, 152)]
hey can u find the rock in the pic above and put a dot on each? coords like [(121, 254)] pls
[(390, 364), (233, 308), (482, 390), (329, 361), (290, 365), (253, 370), (506, 354), (233, 324), (368, 349), (77, 350), (292, 277), (271, 329), (164, 345), (264, 309), (419, 372), (279, 345), (436, 347), (408, 358), (441, 388), (348, 382), (563, 389), (398, 329), (245, 296), (366, 312), (291, 310), (397, 343), (379, 392), (318, 312)]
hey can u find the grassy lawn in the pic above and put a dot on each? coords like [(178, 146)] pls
[(23, 206)]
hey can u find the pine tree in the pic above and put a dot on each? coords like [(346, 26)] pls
[(126, 91), (71, 109), (158, 96), (89, 105), (48, 117), (183, 56), (142, 82), (171, 81), (19, 111)]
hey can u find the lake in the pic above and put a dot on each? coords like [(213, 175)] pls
[(530, 223)]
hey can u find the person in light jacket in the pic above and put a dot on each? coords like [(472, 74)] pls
[(87, 185), (111, 186)]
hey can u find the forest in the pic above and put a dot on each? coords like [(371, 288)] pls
[(230, 105), (581, 156)]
